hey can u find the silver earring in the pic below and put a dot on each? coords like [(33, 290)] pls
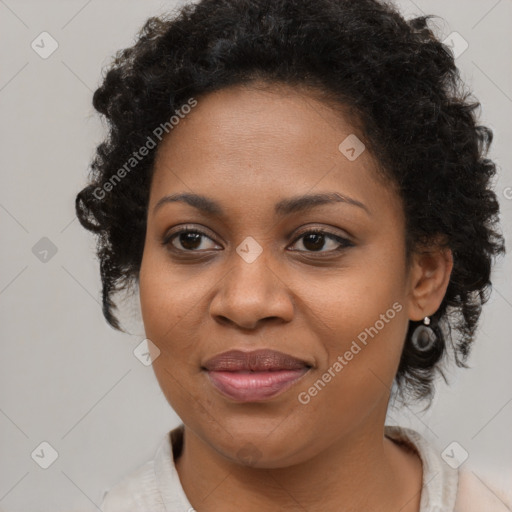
[(424, 338)]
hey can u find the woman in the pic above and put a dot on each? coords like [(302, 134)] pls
[(300, 192)]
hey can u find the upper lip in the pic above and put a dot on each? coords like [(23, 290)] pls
[(255, 360)]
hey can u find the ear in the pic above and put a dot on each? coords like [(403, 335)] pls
[(428, 280)]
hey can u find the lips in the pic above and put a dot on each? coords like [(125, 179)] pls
[(255, 361), (254, 376)]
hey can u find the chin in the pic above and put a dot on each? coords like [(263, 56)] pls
[(258, 443)]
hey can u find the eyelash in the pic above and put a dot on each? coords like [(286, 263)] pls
[(344, 243)]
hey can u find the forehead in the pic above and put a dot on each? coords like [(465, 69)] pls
[(263, 144)]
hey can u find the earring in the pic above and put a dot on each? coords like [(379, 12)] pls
[(424, 338)]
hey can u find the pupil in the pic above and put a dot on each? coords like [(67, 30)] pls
[(186, 238), (317, 240)]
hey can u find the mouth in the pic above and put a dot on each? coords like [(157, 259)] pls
[(254, 376)]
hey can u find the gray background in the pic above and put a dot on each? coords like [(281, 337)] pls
[(72, 381)]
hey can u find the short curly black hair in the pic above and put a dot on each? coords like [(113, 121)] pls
[(395, 76)]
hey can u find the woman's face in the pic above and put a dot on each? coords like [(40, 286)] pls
[(255, 281)]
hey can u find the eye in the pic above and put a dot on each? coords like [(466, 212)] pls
[(187, 240), (315, 239)]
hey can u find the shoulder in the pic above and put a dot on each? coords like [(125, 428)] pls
[(154, 486), (454, 490), (135, 492), (477, 493), (440, 481)]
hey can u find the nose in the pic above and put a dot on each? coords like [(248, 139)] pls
[(251, 294)]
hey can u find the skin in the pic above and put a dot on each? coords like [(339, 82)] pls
[(248, 148)]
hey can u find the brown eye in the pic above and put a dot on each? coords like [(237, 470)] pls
[(316, 240), (188, 240)]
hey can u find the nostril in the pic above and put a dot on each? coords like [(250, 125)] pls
[(224, 320)]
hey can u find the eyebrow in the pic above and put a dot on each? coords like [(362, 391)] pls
[(282, 208)]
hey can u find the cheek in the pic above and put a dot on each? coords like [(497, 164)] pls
[(170, 305), (361, 362), (164, 304), (357, 302), (361, 319), (166, 297)]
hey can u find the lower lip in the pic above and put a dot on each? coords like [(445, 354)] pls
[(254, 386)]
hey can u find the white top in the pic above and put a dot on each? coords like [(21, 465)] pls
[(156, 487)]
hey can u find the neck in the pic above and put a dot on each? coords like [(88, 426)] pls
[(359, 472)]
